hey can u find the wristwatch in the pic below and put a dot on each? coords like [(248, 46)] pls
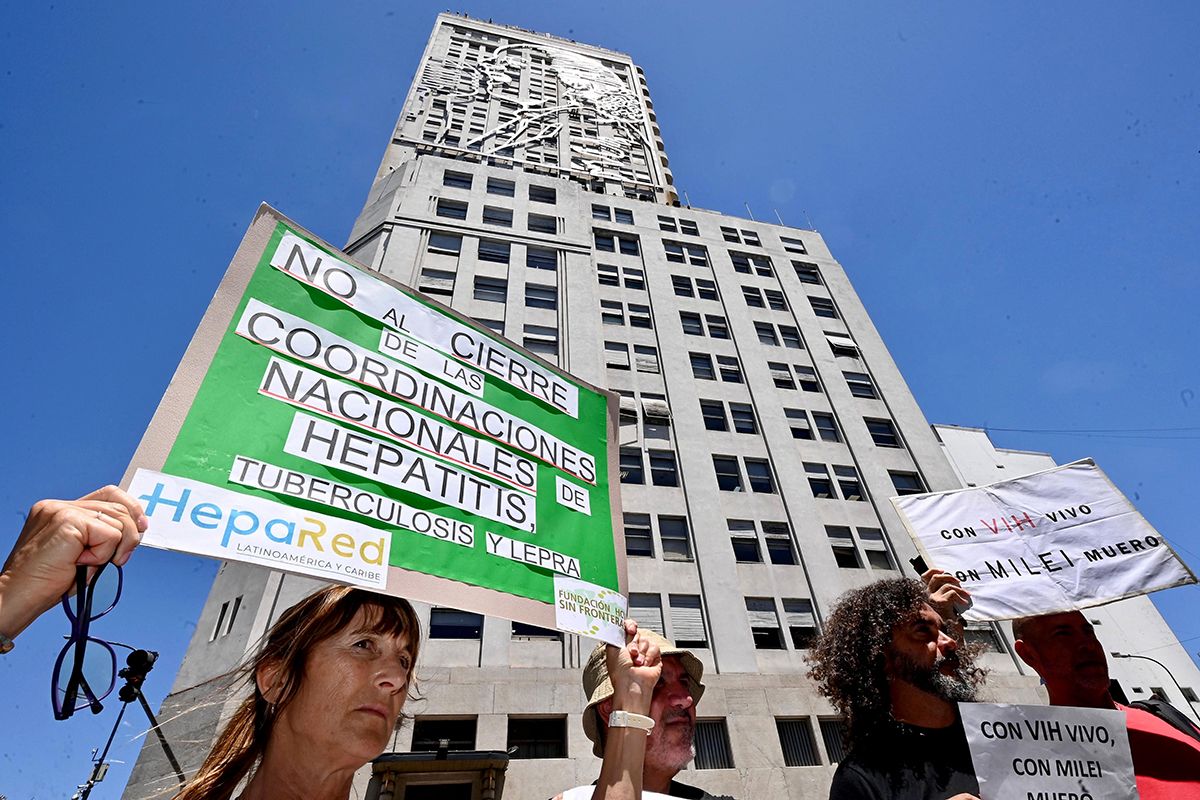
[(627, 719)]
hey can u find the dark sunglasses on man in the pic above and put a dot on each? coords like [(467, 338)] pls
[(86, 670)]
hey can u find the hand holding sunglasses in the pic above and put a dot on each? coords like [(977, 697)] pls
[(59, 536)]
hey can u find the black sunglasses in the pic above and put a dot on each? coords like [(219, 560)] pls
[(92, 670)]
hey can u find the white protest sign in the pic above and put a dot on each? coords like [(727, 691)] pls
[(1049, 752), (1056, 540), (589, 610)]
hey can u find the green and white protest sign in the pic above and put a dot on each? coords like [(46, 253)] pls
[(330, 422), (1055, 540)]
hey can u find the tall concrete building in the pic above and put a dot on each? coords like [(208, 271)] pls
[(764, 425)]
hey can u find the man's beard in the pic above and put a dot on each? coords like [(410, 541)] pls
[(957, 687)]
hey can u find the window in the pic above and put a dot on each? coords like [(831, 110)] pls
[(751, 238), (647, 610), (833, 734), (634, 278), (541, 258), (429, 731), (691, 323), (706, 289), (907, 483), (718, 328), (875, 548), (713, 412), (451, 208), (608, 275), (807, 273), (753, 297), (493, 325), (616, 355), (826, 426), (226, 618), (847, 478), (666, 224), (623, 216), (731, 371), (801, 622), (497, 216), (729, 476), (539, 295), (501, 187), (682, 286), (798, 421), (542, 194), (540, 223), (1189, 694), (730, 235), (612, 312), (663, 471), (639, 316), (493, 289), (764, 623), (758, 471), (776, 300), (807, 378), (1159, 693), (687, 618), (883, 432), (841, 345), (638, 539), (541, 339), (445, 243), (628, 246), (712, 744), (766, 333), (537, 737), (450, 623), (779, 543), (436, 281), (744, 541), (860, 384), (793, 245), (841, 541), (818, 481), (632, 469), (688, 227), (823, 307), (679, 253), (601, 212), (456, 180), (747, 263), (743, 418), (791, 337), (523, 630), (611, 243), (781, 375), (496, 252), (702, 367), (673, 531), (645, 358), (796, 740)]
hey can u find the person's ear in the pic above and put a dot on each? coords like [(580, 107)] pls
[(266, 676), (604, 708), (1027, 654)]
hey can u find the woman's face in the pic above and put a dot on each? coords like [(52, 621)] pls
[(353, 689)]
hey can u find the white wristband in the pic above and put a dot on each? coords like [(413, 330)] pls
[(626, 719)]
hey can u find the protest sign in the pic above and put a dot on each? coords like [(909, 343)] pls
[(1056, 540), (328, 421), (1049, 752)]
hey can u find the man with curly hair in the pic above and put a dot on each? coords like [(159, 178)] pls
[(890, 661)]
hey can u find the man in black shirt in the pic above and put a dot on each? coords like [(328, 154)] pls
[(890, 662)]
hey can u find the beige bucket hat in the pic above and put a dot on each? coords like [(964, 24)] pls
[(598, 688)]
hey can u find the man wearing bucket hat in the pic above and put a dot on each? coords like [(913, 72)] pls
[(670, 722)]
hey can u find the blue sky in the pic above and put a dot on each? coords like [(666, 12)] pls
[(1012, 188)]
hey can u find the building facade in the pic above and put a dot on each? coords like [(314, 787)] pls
[(764, 425)]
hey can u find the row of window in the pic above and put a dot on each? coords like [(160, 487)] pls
[(492, 250), (494, 215), (537, 295), (500, 187), (697, 255)]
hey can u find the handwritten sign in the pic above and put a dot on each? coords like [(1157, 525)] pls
[(328, 421), (1049, 752), (1056, 540)]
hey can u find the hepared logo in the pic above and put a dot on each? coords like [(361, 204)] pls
[(212, 521)]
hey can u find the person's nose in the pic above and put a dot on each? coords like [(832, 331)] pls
[(391, 677), (680, 697), (946, 643)]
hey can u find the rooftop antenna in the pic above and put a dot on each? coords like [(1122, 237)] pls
[(748, 211), (776, 210), (687, 200), (809, 220)]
